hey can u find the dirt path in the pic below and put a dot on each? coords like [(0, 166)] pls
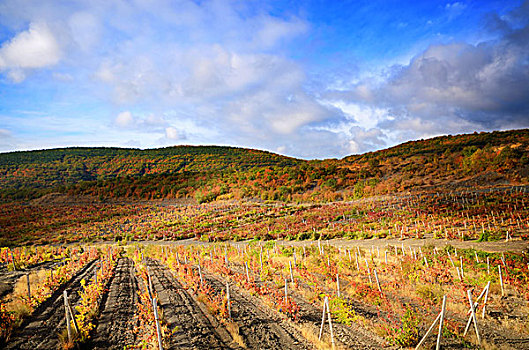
[(117, 321), (259, 327), (42, 329), (191, 328), (516, 246)]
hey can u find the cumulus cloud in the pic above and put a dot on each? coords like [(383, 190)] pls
[(174, 134), (36, 47), (124, 119), (447, 88)]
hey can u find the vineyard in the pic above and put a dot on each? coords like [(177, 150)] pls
[(447, 268)]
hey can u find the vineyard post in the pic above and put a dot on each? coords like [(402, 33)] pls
[(95, 275), (286, 291), (291, 275), (247, 274), (200, 274), (441, 320), (67, 312), (488, 266), (501, 281), (473, 311), (428, 331), (485, 300), (459, 274), (356, 258), (338, 285), (294, 255), (378, 282), (29, 288), (426, 262), (368, 272), (349, 252), (158, 330), (476, 254), (386, 256), (149, 287), (450, 257), (228, 299), (327, 308), (70, 310), (461, 263)]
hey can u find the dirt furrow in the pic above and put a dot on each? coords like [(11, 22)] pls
[(191, 328), (117, 320), (42, 329), (258, 326), (350, 337)]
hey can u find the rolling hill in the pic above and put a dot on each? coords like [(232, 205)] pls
[(207, 173)]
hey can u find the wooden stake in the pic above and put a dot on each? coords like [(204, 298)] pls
[(67, 312), (338, 285), (29, 288)]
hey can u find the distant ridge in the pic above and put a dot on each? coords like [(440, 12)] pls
[(206, 173)]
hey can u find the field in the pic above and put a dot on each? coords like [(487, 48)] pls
[(243, 275)]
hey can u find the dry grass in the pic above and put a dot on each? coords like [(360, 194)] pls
[(233, 329), (308, 332)]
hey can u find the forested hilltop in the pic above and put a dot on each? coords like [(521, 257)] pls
[(208, 173)]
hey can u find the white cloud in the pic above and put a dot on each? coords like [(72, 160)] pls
[(124, 119), (273, 30), (174, 134), (36, 47)]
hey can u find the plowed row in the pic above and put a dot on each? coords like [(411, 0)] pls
[(191, 325)]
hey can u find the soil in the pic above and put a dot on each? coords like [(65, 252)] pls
[(259, 326), (515, 246), (117, 321), (190, 326), (350, 337), (42, 329)]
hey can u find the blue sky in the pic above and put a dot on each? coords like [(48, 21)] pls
[(311, 79)]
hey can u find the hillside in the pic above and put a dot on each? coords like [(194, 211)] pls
[(206, 173)]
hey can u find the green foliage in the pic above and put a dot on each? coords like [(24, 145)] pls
[(408, 334)]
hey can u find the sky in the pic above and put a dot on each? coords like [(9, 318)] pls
[(309, 79)]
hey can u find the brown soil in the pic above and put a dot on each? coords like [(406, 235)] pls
[(259, 326), (191, 328), (41, 330), (349, 337), (117, 321), (515, 246)]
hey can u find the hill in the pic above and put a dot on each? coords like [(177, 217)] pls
[(207, 173)]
